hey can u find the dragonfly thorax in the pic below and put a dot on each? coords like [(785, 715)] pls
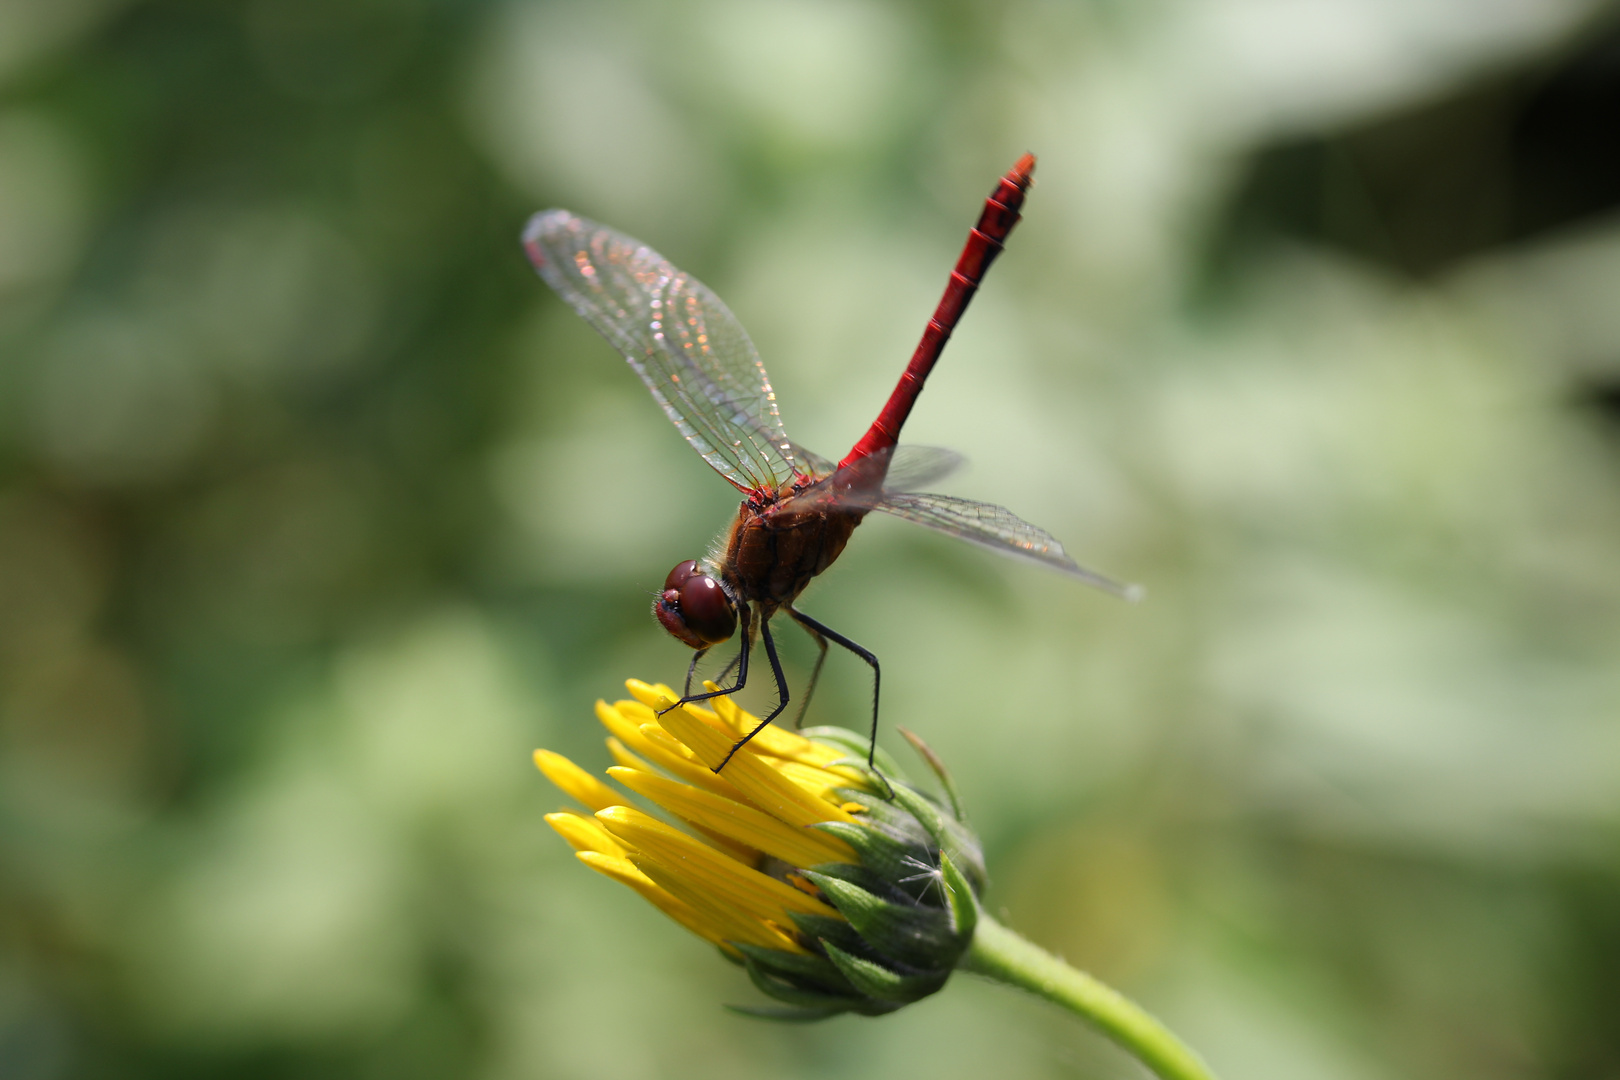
[(768, 557)]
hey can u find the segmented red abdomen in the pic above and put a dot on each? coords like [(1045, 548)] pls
[(984, 243)]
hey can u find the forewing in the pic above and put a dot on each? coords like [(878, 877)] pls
[(679, 337), (996, 528), (811, 463)]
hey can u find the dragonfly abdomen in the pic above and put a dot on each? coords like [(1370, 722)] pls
[(984, 243)]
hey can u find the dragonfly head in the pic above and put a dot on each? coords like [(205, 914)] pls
[(696, 607)]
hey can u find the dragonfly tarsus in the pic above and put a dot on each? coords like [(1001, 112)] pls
[(821, 630), (781, 692)]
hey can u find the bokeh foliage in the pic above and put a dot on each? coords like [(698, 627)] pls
[(317, 513)]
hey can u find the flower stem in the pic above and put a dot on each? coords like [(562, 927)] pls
[(1000, 954)]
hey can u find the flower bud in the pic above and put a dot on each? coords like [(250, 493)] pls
[(837, 888)]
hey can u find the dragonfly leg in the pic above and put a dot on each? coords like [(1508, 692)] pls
[(726, 671), (742, 672), (724, 674), (691, 669), (821, 630), (781, 693), (815, 672)]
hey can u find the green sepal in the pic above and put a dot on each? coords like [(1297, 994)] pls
[(789, 994), (969, 855), (888, 817), (731, 958), (959, 895), (937, 767), (883, 858), (888, 887), (783, 1014), (912, 825), (874, 1007), (878, 781), (856, 745), (828, 928), (917, 936), (875, 847), (878, 982), (926, 813), (796, 967), (948, 835)]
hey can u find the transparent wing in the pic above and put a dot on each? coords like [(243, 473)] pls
[(996, 528), (811, 463), (911, 467), (864, 484), (679, 337)]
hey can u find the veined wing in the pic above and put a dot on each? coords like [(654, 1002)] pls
[(810, 463), (911, 467), (996, 528), (866, 482), (679, 337)]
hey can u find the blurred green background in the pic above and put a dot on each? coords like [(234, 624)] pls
[(318, 512)]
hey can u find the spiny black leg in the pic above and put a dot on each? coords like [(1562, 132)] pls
[(721, 677), (691, 669), (742, 671), (815, 672), (727, 669), (865, 654), (781, 693)]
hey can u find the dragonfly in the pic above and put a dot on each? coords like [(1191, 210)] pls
[(798, 508)]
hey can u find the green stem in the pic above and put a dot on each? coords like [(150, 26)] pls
[(998, 953)]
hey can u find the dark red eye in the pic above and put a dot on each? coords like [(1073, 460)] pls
[(708, 610), (695, 608), (677, 577)]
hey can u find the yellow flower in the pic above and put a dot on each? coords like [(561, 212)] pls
[(839, 890)]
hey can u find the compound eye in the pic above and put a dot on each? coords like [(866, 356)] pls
[(694, 607), (707, 610), (677, 577)]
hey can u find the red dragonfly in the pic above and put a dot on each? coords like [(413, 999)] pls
[(798, 508)]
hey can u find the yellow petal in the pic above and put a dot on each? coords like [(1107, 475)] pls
[(625, 758), (584, 834), (747, 888), (575, 781), (822, 782), (739, 821), (656, 696), (738, 850), (625, 872), (635, 711), (656, 734), (718, 911), (775, 741), (631, 763), (660, 754), (763, 785)]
